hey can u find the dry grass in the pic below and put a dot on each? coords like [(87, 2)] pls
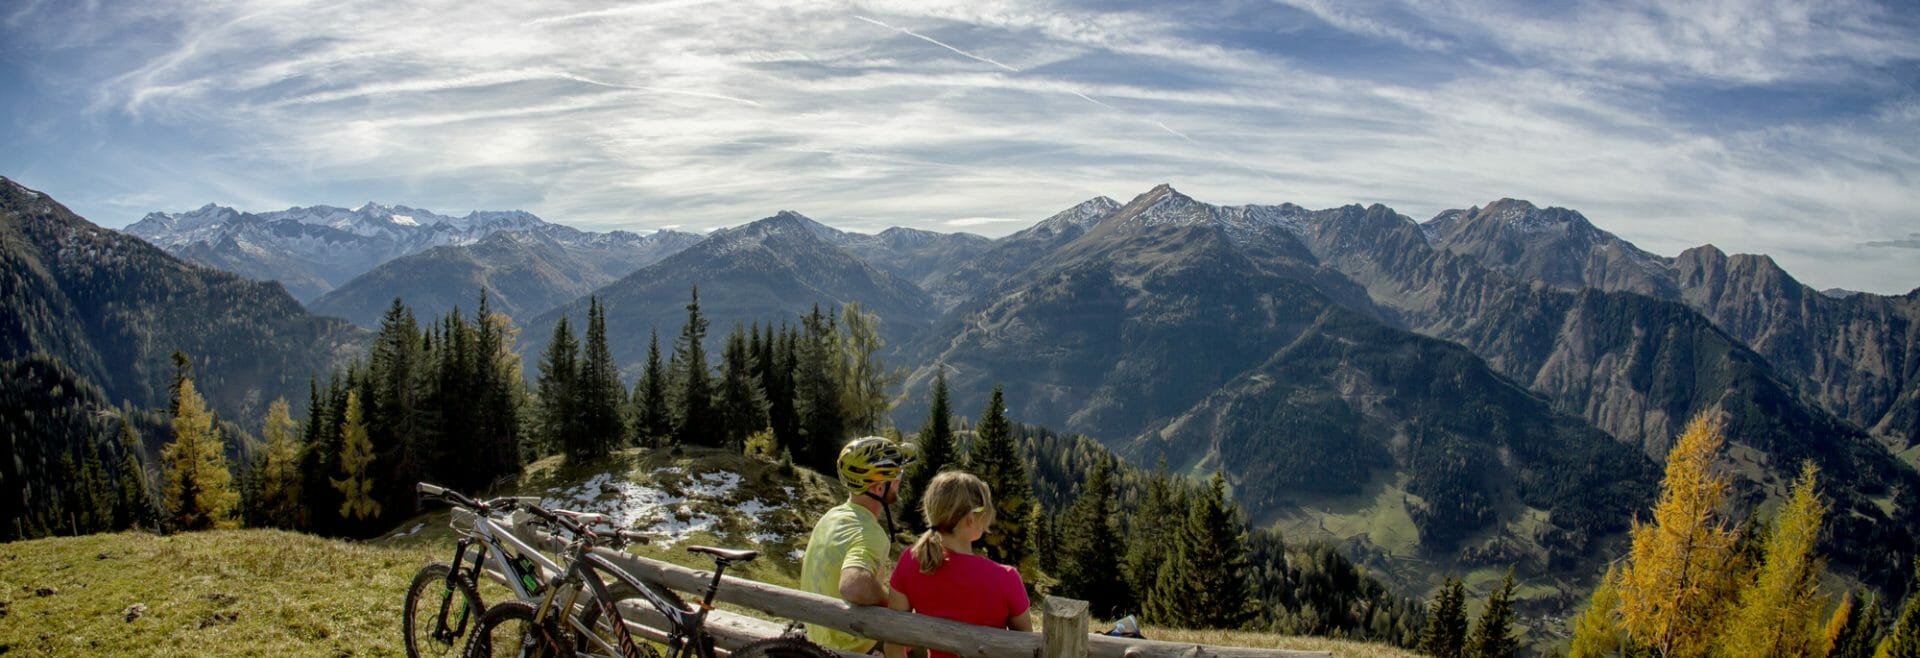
[(1340, 648)]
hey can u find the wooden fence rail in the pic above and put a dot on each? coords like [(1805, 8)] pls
[(1064, 631)]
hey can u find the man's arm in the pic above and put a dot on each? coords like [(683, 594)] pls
[(859, 587)]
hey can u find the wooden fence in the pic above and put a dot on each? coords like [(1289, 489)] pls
[(1064, 628)]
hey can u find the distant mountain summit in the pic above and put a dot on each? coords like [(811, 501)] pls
[(114, 309), (312, 250)]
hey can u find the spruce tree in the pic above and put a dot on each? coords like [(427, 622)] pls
[(1493, 634), (777, 354), (1204, 584), (1150, 535), (200, 493), (1855, 626), (743, 406), (1903, 638), (1676, 580), (182, 371), (395, 373), (1446, 633), (134, 505), (821, 425), (559, 373), (653, 421), (936, 451), (501, 389), (1089, 542), (694, 421), (598, 392), (996, 460), (1778, 612), (356, 456)]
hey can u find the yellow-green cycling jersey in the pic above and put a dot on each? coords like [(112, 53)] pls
[(846, 536)]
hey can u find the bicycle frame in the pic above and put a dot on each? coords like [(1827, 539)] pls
[(686, 636), (496, 540)]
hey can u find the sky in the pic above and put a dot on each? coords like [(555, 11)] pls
[(1788, 128)]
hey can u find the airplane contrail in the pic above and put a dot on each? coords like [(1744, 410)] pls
[(937, 42)]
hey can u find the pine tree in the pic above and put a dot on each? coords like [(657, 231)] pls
[(1677, 580), (1903, 639), (694, 422), (599, 392), (396, 370), (1206, 570), (821, 427), (653, 422), (200, 493), (356, 455), (1597, 633), (134, 499), (1446, 633), (777, 355), (1493, 635), (1150, 536), (1777, 613), (280, 473), (502, 391), (1854, 627), (1089, 558), (996, 460), (559, 373), (936, 451), (742, 405)]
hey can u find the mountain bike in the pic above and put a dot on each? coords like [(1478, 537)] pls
[(443, 602), (552, 627)]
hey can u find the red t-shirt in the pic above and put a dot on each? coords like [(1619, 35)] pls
[(967, 588)]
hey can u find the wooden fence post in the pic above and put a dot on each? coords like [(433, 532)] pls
[(1066, 628)]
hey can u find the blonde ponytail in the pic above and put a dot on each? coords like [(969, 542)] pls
[(929, 552), (950, 498)]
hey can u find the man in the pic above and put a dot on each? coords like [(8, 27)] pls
[(849, 553)]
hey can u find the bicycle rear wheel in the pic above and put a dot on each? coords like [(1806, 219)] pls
[(441, 607), (783, 647), (508, 629)]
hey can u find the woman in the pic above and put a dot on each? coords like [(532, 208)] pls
[(942, 577)]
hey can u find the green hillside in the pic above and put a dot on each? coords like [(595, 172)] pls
[(270, 592)]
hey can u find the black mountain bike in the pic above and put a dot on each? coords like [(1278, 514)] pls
[(551, 627), (443, 603)]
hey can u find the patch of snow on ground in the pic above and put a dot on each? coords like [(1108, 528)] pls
[(669, 517), (765, 537), (797, 554), (416, 528)]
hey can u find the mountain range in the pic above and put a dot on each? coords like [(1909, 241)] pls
[(317, 249), (1494, 385)]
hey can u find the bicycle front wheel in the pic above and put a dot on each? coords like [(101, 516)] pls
[(441, 607), (782, 647), (508, 629)]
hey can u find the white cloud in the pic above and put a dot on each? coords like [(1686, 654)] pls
[(965, 114)]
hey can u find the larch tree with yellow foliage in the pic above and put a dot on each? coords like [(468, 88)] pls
[(356, 454), (1597, 634), (1678, 578), (1779, 611), (199, 493)]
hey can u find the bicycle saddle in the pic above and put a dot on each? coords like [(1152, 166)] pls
[(727, 554)]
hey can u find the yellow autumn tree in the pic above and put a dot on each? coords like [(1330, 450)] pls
[(1678, 578), (1597, 633), (199, 493), (356, 454), (1779, 612), (280, 481)]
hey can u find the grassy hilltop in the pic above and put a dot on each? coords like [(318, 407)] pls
[(270, 592)]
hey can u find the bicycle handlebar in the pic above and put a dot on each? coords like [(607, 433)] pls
[(579, 524)]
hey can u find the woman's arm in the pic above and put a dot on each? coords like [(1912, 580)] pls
[(1022, 622)]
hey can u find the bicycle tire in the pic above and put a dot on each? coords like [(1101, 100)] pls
[(508, 629), (783, 647), (433, 593)]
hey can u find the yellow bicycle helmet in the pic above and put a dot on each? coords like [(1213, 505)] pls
[(870, 460)]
